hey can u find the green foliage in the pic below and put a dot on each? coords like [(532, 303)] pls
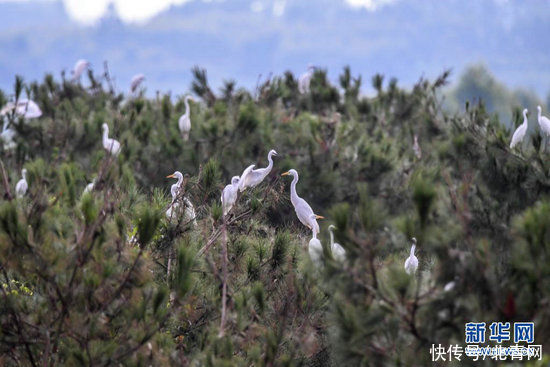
[(105, 278)]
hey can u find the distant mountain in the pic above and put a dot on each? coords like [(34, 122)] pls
[(407, 39)]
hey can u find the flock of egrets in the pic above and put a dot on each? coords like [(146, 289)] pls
[(250, 177)]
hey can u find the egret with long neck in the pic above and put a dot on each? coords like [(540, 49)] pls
[(520, 132), (184, 122), (303, 209), (253, 177)]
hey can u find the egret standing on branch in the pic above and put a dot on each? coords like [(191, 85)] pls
[(544, 124), (338, 251), (89, 187), (303, 210), (411, 264), (305, 79), (253, 177), (229, 195), (110, 145), (22, 186), (519, 134), (189, 213), (80, 66), (315, 251), (184, 122)]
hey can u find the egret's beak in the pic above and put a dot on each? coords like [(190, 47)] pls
[(319, 217), (286, 173), (170, 176)]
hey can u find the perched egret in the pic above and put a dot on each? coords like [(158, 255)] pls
[(184, 122), (416, 147), (89, 187), (411, 264), (519, 134), (80, 66), (252, 177), (25, 107), (229, 195), (315, 250), (338, 251), (111, 145), (22, 186), (136, 82), (303, 210), (189, 213), (544, 124), (7, 137), (305, 79)]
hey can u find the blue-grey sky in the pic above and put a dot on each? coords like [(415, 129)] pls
[(241, 39)]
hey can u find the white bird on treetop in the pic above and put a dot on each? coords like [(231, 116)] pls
[(338, 251), (189, 213), (303, 210), (411, 264), (252, 177), (110, 145), (80, 66), (184, 123), (229, 195), (136, 82), (89, 187), (519, 134), (315, 251), (25, 107), (544, 123), (22, 186), (305, 79)]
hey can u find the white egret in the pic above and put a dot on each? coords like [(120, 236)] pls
[(305, 79), (189, 212), (25, 107), (89, 187), (22, 186), (544, 124), (136, 82), (303, 210), (416, 147), (338, 251), (110, 145), (7, 137), (229, 195), (315, 251), (184, 122), (252, 177), (520, 132), (411, 264), (80, 66)]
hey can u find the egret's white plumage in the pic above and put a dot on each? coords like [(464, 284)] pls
[(189, 211), (136, 82), (416, 147), (25, 107), (303, 210), (305, 79), (338, 251), (544, 123), (315, 251), (7, 137), (252, 177), (22, 186), (520, 132), (411, 264), (184, 123), (89, 187), (110, 145), (80, 66), (229, 195)]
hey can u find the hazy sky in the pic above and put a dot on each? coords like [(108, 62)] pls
[(243, 39)]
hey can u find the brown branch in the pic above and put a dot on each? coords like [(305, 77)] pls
[(5, 181)]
